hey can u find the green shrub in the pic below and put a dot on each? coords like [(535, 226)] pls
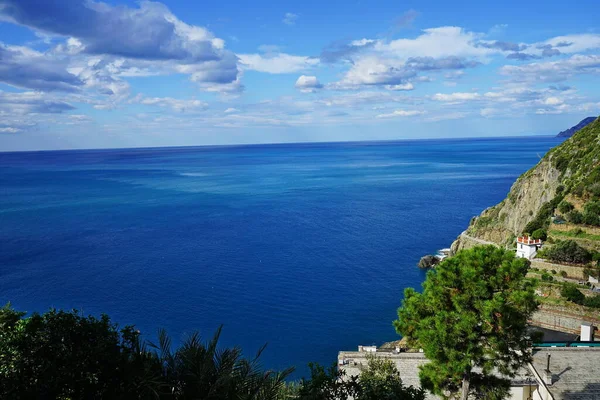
[(553, 272), (563, 274), (564, 207), (578, 190), (591, 219), (570, 292), (540, 234), (575, 217), (568, 251), (592, 301), (594, 189), (542, 219), (547, 277), (592, 207)]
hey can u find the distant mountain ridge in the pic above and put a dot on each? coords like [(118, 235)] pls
[(582, 124)]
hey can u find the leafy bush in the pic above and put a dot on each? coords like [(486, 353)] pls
[(540, 234), (594, 189), (563, 274), (570, 292), (568, 251), (64, 355), (542, 219), (592, 207), (591, 219), (592, 301), (546, 277), (564, 207), (553, 272), (575, 217)]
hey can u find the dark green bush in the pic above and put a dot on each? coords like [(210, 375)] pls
[(592, 207), (563, 274), (591, 219), (570, 292), (568, 251), (553, 272), (592, 301), (540, 234), (564, 207), (575, 217)]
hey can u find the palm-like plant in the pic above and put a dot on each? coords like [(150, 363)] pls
[(198, 370)]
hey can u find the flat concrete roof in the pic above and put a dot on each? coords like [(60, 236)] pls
[(575, 370)]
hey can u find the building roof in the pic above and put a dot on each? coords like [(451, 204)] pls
[(528, 240), (575, 371)]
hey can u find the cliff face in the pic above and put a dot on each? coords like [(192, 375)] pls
[(570, 167)]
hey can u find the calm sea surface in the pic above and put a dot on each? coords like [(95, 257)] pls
[(307, 247)]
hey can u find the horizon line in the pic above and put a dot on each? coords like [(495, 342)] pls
[(283, 143)]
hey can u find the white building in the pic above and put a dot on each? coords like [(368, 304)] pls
[(528, 247)]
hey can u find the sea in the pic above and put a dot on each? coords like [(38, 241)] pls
[(304, 247)]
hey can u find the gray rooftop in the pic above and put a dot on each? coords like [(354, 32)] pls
[(575, 370)]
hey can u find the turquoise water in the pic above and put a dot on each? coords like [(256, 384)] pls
[(306, 247)]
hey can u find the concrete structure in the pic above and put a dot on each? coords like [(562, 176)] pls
[(527, 247), (555, 373), (587, 333)]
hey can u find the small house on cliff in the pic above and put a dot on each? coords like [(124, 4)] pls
[(527, 247)]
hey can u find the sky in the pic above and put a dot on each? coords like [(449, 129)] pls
[(90, 74)]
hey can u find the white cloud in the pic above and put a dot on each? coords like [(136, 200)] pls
[(401, 113), (456, 97), (279, 63), (308, 84), (290, 18), (178, 105), (553, 71)]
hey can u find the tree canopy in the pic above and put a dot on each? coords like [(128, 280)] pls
[(64, 355), (471, 321), (380, 380)]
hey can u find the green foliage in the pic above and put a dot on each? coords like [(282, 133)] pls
[(380, 380), (564, 207), (540, 234), (576, 233), (568, 251), (470, 320), (591, 219), (546, 277), (594, 189), (64, 355), (592, 301), (575, 217), (592, 207), (570, 292), (542, 219), (563, 274)]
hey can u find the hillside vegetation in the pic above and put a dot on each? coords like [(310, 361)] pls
[(559, 198)]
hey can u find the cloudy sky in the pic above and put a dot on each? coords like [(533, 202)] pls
[(88, 74)]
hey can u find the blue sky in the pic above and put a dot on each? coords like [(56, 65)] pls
[(88, 74)]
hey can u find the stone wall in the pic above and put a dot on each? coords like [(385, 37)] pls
[(561, 319), (572, 271)]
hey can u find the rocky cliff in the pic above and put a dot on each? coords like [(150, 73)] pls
[(570, 170)]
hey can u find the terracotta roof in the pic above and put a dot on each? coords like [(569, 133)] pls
[(528, 240)]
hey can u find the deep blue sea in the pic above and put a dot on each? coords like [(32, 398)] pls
[(306, 247)]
